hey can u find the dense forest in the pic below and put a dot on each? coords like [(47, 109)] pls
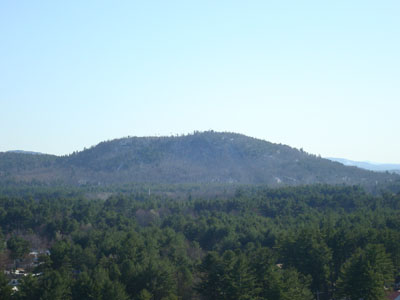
[(308, 242), (202, 157)]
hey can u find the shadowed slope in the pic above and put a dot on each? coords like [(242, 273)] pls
[(207, 157)]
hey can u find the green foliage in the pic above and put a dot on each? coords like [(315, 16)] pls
[(55, 286), (254, 275), (366, 274), (307, 252), (260, 243), (144, 295), (18, 247), (5, 289), (29, 289)]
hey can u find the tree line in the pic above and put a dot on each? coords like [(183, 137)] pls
[(309, 242)]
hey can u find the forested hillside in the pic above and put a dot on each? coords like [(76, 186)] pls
[(308, 242), (207, 157)]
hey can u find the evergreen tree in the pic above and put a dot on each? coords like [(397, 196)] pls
[(29, 289), (18, 247), (5, 289), (307, 252), (56, 285), (365, 274)]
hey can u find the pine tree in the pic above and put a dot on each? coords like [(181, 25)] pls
[(365, 274), (5, 289)]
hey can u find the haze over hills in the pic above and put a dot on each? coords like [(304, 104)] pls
[(202, 157), (25, 152), (377, 167)]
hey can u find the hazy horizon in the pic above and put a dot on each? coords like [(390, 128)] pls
[(318, 76)]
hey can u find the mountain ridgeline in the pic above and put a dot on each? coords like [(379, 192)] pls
[(202, 157)]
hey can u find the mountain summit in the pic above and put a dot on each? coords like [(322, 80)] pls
[(202, 157)]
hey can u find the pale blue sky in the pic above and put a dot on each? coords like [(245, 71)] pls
[(321, 75)]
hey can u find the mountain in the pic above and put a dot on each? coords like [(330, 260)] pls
[(202, 157), (377, 167)]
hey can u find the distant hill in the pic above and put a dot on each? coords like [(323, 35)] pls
[(377, 167), (25, 152), (202, 157)]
